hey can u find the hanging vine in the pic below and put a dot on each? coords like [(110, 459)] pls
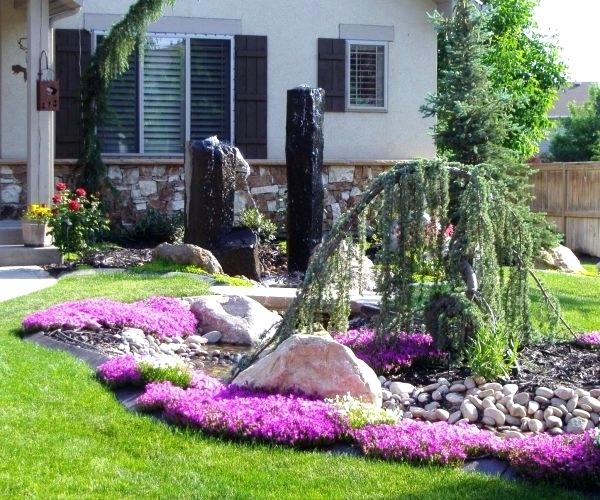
[(109, 62), (454, 285)]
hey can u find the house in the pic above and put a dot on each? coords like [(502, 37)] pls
[(220, 68)]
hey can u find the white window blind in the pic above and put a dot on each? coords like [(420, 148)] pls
[(210, 75), (164, 95), (366, 73)]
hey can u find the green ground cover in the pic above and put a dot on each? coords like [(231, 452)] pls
[(64, 435)]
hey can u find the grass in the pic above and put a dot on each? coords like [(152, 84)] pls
[(64, 435)]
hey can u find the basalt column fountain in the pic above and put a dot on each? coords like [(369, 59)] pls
[(304, 160)]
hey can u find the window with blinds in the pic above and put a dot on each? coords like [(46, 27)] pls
[(366, 75), (210, 77), (176, 88)]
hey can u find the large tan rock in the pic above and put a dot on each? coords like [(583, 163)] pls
[(560, 258), (316, 365), (241, 320), (188, 254)]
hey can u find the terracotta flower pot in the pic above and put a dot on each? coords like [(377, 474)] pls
[(35, 233)]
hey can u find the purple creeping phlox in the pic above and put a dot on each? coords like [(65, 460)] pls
[(573, 458), (162, 316), (120, 371), (423, 442), (290, 419), (390, 353), (589, 339)]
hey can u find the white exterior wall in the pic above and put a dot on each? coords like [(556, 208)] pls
[(292, 29), (13, 89)]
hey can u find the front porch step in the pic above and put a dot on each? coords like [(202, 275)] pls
[(10, 232), (19, 255)]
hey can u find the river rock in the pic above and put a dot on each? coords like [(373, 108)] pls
[(401, 388), (241, 320), (212, 337), (496, 415), (316, 365)]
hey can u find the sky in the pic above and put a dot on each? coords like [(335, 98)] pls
[(574, 23)]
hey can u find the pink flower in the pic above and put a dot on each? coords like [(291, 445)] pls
[(61, 186), (57, 198), (80, 192)]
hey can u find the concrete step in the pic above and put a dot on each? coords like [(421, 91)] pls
[(19, 255), (10, 232)]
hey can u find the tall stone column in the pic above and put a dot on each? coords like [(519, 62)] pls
[(304, 161), (40, 124)]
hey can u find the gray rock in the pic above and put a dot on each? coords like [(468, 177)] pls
[(495, 386), (454, 398), (532, 407), (536, 425), (510, 389), (454, 417), (385, 394), (560, 258), (591, 402), (485, 393), (401, 388), (542, 400), (544, 392), (495, 414), (434, 405), (458, 388), (423, 397), (518, 411), (470, 383), (553, 421), (469, 411), (514, 421), (195, 339), (573, 402), (188, 254), (595, 393), (441, 415), (521, 398), (555, 431), (212, 337), (510, 434), (564, 393)]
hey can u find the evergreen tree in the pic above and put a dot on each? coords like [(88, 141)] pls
[(470, 126)]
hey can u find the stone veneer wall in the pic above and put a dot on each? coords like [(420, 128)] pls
[(158, 183)]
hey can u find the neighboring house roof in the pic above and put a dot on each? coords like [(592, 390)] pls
[(577, 93)]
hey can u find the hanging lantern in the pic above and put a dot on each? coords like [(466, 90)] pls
[(48, 91)]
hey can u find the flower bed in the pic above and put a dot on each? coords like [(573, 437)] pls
[(297, 420), (393, 353), (162, 316)]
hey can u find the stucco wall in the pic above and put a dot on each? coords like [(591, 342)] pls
[(13, 89), (292, 60)]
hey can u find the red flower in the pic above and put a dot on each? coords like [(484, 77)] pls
[(61, 186), (57, 198), (80, 192), (449, 231), (74, 205)]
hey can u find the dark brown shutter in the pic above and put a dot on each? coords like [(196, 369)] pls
[(73, 50), (332, 72), (251, 95)]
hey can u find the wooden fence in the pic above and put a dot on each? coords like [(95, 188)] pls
[(569, 193)]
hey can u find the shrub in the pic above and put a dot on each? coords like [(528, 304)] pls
[(157, 227), (176, 374), (77, 221), (263, 227), (359, 414), (493, 352)]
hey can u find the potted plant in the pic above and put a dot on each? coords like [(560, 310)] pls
[(34, 225)]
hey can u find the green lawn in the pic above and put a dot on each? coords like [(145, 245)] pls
[(64, 435)]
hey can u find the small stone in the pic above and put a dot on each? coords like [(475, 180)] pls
[(518, 411), (558, 402), (475, 401), (548, 412), (416, 411), (488, 421), (542, 400), (555, 431), (479, 380), (563, 392), (458, 388), (423, 397), (196, 339), (532, 407), (513, 435), (382, 379), (592, 402), (590, 425), (539, 415), (573, 402), (553, 421), (470, 383), (488, 403), (473, 391), (401, 388), (585, 407), (443, 381), (385, 394), (525, 424), (469, 411), (578, 412), (431, 387), (595, 418), (595, 393), (514, 421), (454, 417), (544, 392), (582, 392), (434, 405), (390, 404), (536, 425), (495, 386), (510, 389), (557, 411), (494, 413), (507, 401), (521, 398), (454, 398), (502, 408), (212, 337), (498, 395), (486, 393), (441, 415)]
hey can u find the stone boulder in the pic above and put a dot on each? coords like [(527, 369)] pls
[(560, 258), (188, 254), (241, 320), (316, 365)]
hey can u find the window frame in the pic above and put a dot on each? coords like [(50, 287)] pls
[(368, 108), (187, 89)]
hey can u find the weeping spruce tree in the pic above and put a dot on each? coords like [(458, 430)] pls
[(456, 287)]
